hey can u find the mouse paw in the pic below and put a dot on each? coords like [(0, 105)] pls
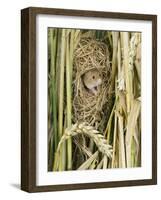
[(94, 90)]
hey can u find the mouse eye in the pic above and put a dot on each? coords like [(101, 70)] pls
[(93, 77)]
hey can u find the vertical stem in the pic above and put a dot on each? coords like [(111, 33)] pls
[(53, 38), (122, 161), (53, 99), (128, 75), (114, 142), (105, 160), (131, 124), (71, 48), (115, 131), (119, 58), (61, 97), (69, 99), (108, 130), (115, 36)]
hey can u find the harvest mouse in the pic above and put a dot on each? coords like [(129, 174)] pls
[(92, 80)]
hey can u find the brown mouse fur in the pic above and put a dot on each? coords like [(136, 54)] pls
[(92, 79)]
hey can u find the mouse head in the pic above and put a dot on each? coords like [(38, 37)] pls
[(92, 78)]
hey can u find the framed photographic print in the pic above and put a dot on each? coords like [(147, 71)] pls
[(88, 99)]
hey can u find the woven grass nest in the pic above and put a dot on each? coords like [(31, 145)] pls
[(91, 54)]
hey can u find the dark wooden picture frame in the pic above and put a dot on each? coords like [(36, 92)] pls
[(28, 98)]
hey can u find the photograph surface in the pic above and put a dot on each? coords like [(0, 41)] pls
[(94, 99)]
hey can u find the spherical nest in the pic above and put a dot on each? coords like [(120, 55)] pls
[(92, 109)]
